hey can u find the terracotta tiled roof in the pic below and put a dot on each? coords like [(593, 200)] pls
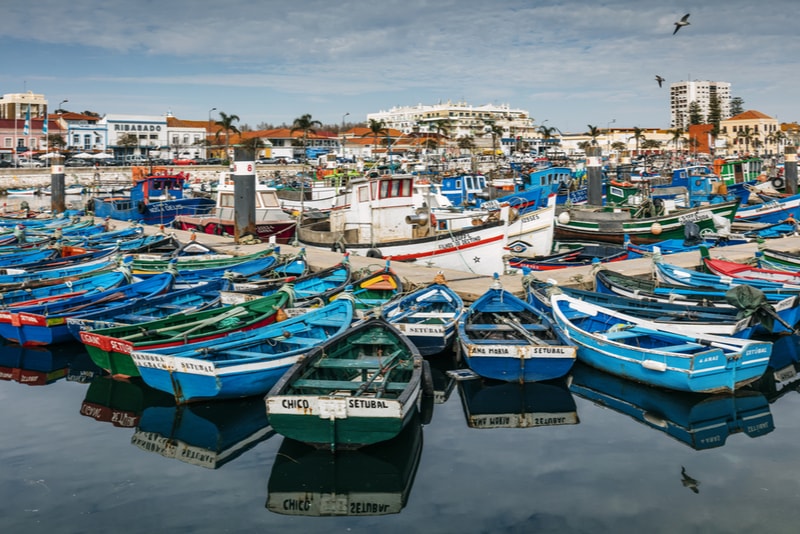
[(750, 114)]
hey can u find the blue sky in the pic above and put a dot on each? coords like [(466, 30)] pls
[(569, 62)]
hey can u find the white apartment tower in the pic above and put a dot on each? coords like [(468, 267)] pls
[(682, 94)]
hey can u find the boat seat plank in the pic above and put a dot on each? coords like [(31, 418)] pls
[(355, 363), (325, 322), (299, 340), (686, 347), (332, 385), (621, 334), (135, 318), (477, 327), (573, 315)]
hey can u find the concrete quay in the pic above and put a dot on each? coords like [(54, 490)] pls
[(470, 286)]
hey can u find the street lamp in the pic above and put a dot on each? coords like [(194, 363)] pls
[(341, 134)]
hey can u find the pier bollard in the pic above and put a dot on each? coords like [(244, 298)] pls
[(244, 194), (595, 175), (790, 169), (58, 202)]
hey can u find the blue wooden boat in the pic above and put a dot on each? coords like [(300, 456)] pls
[(23, 298), (502, 337), (313, 289), (682, 317), (156, 198), (242, 363), (618, 344), (11, 279), (202, 296), (786, 305), (371, 481), (242, 270), (490, 404), (674, 274), (27, 257), (427, 316), (700, 421), (46, 324), (358, 388), (771, 211), (207, 435), (372, 290)]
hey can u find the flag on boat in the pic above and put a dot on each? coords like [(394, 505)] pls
[(27, 128)]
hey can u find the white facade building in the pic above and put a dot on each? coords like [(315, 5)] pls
[(682, 94)]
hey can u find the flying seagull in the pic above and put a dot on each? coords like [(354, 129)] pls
[(659, 79), (689, 482), (683, 22)]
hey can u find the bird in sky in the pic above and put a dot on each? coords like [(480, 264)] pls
[(659, 79), (683, 22), (689, 482)]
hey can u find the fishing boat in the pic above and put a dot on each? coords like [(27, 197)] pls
[(372, 289), (311, 289), (491, 404), (770, 211), (733, 269), (382, 222), (111, 348), (427, 316), (208, 435), (157, 197), (271, 221), (155, 263), (103, 261), (46, 323), (358, 388), (717, 320), (700, 421), (201, 296), (780, 259), (583, 254), (373, 480), (618, 344), (647, 223), (98, 282), (243, 363), (675, 274), (502, 337)]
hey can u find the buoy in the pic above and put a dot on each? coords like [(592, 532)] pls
[(563, 217), (655, 229)]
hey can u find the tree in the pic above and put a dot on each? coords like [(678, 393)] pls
[(378, 128), (442, 127), (714, 114), (253, 143), (778, 138), (619, 146), (495, 130), (737, 106), (695, 114), (677, 137), (56, 141), (226, 124), (128, 140), (304, 123), (638, 137), (547, 132), (593, 132)]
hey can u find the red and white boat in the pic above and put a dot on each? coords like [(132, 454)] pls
[(381, 220), (271, 220)]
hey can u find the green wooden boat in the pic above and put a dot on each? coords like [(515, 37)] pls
[(151, 263), (360, 387), (612, 225), (111, 348)]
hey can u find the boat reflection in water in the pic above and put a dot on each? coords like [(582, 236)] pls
[(121, 402), (782, 374), (208, 434), (372, 480), (38, 366), (494, 404), (700, 421)]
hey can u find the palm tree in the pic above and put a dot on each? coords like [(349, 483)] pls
[(777, 137), (307, 125), (442, 127), (378, 128), (547, 132), (225, 124), (495, 131), (638, 136), (593, 132)]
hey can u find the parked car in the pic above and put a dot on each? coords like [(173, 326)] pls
[(6, 163), (77, 162), (266, 161), (213, 161), (184, 161), (112, 162), (28, 162)]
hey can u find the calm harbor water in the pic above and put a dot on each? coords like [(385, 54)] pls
[(84, 453)]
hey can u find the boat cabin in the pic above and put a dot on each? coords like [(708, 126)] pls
[(465, 190)]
